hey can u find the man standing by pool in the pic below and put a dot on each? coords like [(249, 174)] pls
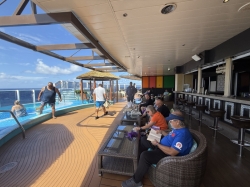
[(48, 94), (99, 98)]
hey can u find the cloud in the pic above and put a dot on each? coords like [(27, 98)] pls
[(4, 76), (3, 48), (28, 38), (28, 71), (24, 64), (54, 70), (2, 29)]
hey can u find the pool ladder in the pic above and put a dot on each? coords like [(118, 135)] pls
[(13, 115)]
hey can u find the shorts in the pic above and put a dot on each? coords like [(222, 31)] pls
[(130, 98), (99, 104), (50, 104)]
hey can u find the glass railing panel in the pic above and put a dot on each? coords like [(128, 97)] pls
[(7, 97)]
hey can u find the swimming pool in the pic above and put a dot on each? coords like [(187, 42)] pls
[(7, 123)]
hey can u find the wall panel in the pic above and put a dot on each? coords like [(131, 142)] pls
[(168, 81), (159, 82), (145, 82), (152, 82)]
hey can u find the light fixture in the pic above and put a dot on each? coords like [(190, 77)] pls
[(168, 8), (225, 1), (244, 7), (196, 57), (168, 69)]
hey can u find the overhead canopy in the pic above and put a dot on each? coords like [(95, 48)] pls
[(131, 77), (102, 76)]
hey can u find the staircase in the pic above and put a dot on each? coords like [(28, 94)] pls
[(68, 95)]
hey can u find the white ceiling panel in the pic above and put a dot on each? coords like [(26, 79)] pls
[(93, 10), (96, 18), (84, 3), (153, 37), (135, 4)]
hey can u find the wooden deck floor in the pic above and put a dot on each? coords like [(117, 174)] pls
[(62, 152)]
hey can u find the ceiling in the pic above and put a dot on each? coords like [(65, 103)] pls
[(147, 42)]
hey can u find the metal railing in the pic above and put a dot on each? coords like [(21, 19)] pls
[(13, 115)]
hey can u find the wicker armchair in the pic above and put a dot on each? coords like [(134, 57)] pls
[(182, 171)]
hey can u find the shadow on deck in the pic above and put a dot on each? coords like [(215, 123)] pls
[(62, 152)]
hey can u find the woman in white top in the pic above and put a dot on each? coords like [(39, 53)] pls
[(18, 109)]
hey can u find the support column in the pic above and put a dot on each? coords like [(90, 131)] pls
[(199, 80), (110, 91), (117, 91), (94, 84), (179, 81), (81, 88), (228, 77)]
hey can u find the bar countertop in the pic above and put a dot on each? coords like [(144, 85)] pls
[(241, 100)]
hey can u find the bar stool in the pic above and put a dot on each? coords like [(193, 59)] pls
[(183, 102), (179, 103), (190, 105), (216, 113), (201, 109), (242, 123)]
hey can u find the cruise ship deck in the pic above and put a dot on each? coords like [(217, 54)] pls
[(62, 152)]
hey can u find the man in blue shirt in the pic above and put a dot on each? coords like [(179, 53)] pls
[(177, 143)]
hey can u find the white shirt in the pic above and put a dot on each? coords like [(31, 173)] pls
[(99, 92)]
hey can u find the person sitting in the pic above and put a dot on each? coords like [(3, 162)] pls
[(160, 107), (166, 93), (176, 143), (146, 103), (147, 92), (157, 119), (152, 97), (18, 109)]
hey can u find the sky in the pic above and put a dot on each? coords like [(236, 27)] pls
[(24, 68)]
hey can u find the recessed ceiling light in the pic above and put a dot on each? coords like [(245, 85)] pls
[(168, 69), (225, 1), (244, 7), (168, 8)]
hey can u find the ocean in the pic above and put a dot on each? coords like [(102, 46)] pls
[(25, 95)]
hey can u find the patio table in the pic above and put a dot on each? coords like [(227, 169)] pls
[(131, 116), (118, 154)]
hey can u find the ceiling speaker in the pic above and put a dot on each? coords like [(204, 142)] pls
[(196, 57)]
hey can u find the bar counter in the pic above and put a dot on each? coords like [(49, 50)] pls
[(232, 105)]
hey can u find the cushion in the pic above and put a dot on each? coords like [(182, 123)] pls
[(193, 148)]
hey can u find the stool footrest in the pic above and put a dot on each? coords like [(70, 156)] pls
[(198, 119), (246, 143), (214, 128)]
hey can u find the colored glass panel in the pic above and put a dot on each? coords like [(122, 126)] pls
[(168, 81), (152, 81), (145, 82), (159, 82)]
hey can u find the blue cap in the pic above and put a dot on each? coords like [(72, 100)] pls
[(172, 116)]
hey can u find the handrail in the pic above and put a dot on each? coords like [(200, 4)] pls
[(13, 115)]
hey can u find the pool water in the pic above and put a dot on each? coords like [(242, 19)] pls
[(6, 121)]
